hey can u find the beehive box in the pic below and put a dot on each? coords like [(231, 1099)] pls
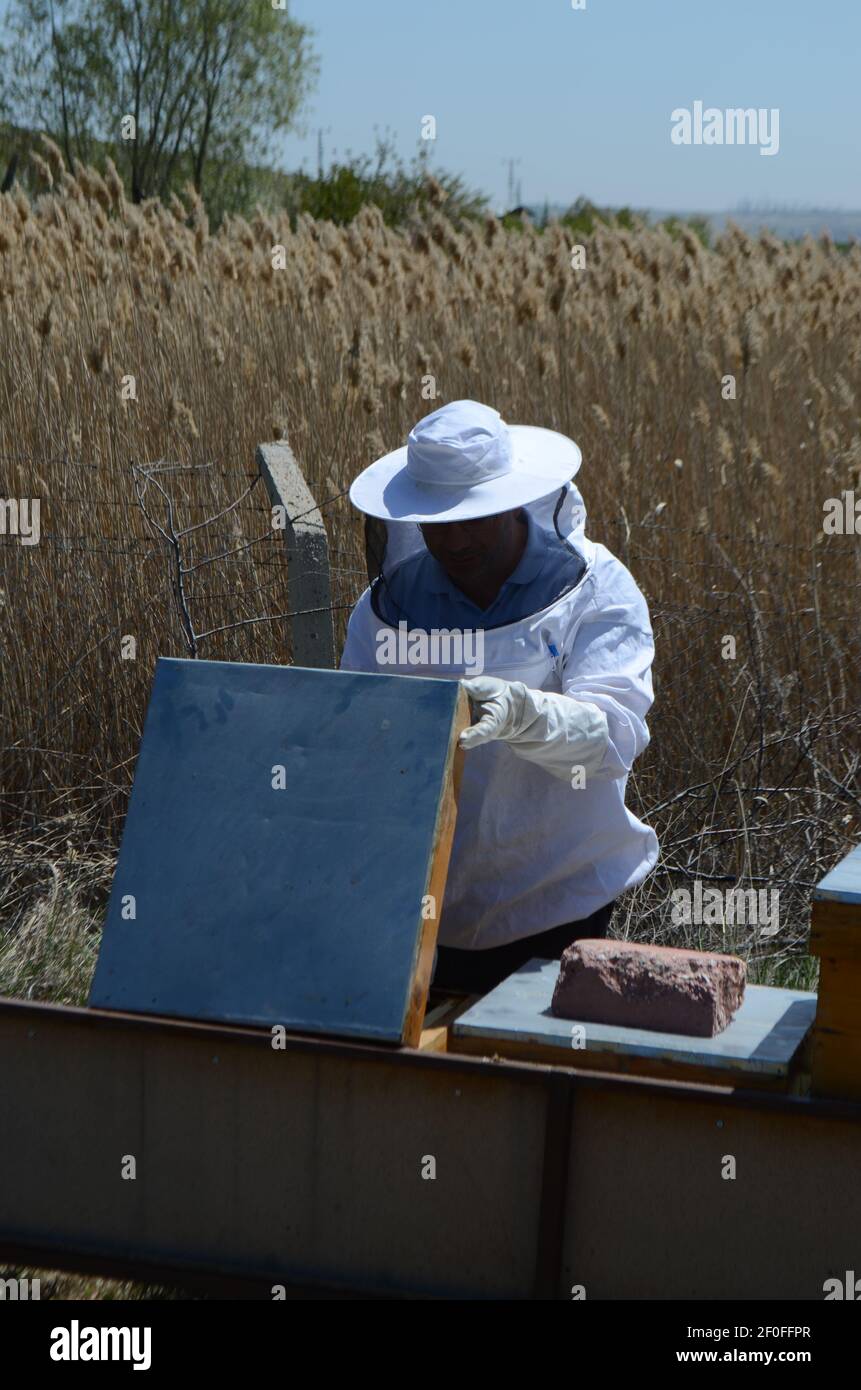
[(835, 937)]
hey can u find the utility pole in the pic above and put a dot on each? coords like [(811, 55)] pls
[(320, 133), (512, 196)]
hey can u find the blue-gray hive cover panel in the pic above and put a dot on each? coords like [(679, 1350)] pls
[(762, 1038), (843, 883), (255, 903)]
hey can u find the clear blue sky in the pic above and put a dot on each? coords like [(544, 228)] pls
[(583, 98)]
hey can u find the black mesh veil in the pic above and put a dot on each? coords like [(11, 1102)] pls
[(391, 544)]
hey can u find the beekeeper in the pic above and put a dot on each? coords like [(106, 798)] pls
[(485, 551)]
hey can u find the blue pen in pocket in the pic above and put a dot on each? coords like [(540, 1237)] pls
[(554, 652)]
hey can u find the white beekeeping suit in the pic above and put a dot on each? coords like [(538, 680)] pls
[(543, 835)]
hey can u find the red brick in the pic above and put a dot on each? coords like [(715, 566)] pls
[(655, 987)]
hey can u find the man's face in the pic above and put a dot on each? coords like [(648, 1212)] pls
[(471, 549)]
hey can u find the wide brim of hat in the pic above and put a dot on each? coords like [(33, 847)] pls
[(542, 461)]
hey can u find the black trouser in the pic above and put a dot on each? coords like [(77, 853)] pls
[(476, 972)]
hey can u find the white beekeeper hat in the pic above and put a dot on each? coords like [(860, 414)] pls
[(463, 462)]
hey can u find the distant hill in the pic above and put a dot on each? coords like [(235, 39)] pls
[(837, 222), (841, 225)]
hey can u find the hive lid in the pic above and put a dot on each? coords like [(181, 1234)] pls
[(760, 1041), (284, 829), (843, 883)]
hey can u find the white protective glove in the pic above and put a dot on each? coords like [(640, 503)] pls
[(554, 731)]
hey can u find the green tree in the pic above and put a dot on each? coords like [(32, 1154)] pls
[(207, 83), (396, 186)]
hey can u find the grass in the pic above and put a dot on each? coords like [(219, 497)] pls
[(146, 356), (714, 392)]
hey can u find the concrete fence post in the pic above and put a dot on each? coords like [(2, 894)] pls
[(307, 555)]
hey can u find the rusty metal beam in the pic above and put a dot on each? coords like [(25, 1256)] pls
[(304, 1167)]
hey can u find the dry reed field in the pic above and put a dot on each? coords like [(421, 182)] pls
[(715, 504)]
